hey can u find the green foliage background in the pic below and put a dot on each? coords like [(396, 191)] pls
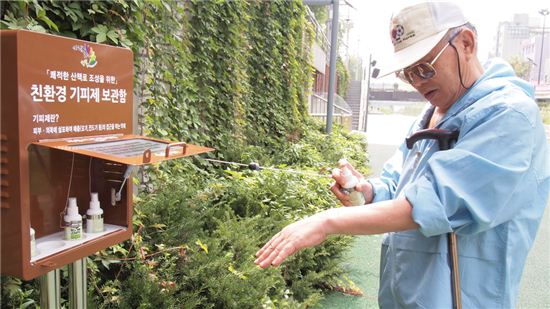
[(232, 75)]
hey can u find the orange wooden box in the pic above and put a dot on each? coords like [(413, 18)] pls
[(66, 130)]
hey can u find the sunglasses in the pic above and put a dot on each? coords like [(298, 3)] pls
[(423, 70)]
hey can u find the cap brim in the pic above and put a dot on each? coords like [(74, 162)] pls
[(411, 54)]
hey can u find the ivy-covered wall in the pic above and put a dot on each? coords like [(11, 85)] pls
[(232, 75), (343, 78), (240, 78)]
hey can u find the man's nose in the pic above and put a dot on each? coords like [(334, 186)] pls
[(417, 80)]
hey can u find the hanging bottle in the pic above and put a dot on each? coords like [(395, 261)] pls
[(94, 216), (73, 221)]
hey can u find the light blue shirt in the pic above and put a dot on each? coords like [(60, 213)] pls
[(491, 189)]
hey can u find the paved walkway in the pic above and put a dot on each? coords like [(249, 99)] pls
[(385, 132)]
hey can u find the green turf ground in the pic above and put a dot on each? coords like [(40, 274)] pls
[(363, 267)]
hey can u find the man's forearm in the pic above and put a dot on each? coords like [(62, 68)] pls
[(377, 218)]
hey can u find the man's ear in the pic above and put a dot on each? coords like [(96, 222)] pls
[(467, 42)]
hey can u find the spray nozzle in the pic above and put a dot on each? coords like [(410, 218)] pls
[(350, 180), (94, 202), (346, 172), (116, 196), (254, 166), (72, 210), (94, 197), (343, 161)]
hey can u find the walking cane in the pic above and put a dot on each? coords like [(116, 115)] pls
[(444, 139)]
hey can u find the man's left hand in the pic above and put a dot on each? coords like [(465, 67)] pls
[(305, 233)]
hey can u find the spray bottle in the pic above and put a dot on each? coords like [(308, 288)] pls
[(94, 216), (73, 221), (348, 187)]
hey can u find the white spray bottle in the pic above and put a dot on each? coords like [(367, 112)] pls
[(94, 216), (73, 221), (348, 187)]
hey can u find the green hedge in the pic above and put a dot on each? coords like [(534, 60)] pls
[(232, 75)]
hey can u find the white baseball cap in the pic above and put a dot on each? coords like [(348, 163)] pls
[(416, 29)]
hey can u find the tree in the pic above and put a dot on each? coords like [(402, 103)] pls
[(521, 66)]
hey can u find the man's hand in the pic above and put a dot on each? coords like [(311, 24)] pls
[(378, 218), (363, 186), (305, 233)]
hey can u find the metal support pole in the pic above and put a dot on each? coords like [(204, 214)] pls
[(77, 284), (332, 64), (544, 13), (50, 290), (368, 94), (333, 53)]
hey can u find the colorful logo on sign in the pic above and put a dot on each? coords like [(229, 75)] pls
[(88, 52)]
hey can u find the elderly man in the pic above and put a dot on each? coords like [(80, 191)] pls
[(490, 189)]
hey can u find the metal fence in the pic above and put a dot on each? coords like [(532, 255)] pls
[(342, 113)]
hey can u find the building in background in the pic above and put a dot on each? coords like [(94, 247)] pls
[(522, 39), (320, 52), (510, 35), (531, 51)]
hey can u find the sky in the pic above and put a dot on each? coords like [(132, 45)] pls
[(370, 33)]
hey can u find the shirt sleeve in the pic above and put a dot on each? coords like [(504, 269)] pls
[(483, 181), (384, 187)]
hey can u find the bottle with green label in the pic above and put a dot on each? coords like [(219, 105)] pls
[(73, 221)]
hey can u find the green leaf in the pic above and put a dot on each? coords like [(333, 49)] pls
[(204, 247), (28, 303), (37, 28), (100, 29), (159, 226), (162, 131), (105, 263), (127, 43), (237, 273), (96, 8), (113, 36), (101, 37), (41, 14)]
